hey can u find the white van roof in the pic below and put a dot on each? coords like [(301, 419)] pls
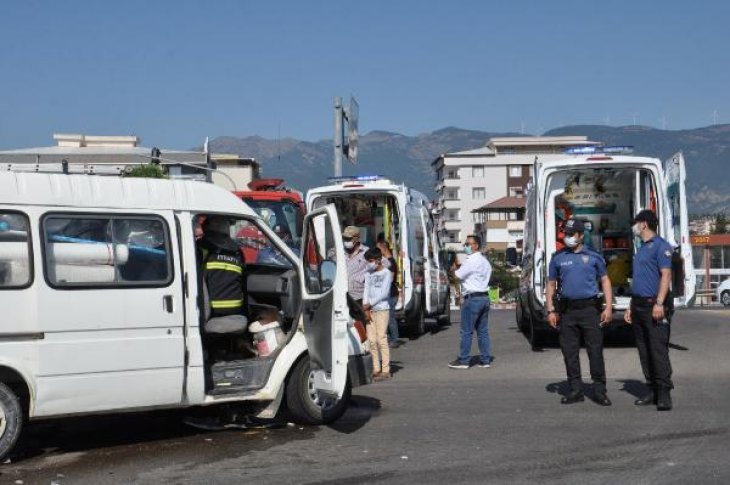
[(23, 188), (598, 159), (365, 183)]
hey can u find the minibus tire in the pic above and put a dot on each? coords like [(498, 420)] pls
[(300, 404), (11, 419), (725, 298)]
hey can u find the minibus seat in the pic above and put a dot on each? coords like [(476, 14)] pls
[(229, 324), (226, 325)]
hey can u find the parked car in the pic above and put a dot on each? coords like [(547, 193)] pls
[(723, 292)]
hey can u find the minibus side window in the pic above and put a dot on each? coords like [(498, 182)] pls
[(15, 250), (106, 251)]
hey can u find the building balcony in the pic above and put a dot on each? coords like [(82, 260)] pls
[(516, 226)]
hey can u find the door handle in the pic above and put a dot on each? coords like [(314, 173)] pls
[(167, 303)]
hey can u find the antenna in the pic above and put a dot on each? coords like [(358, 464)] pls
[(634, 116), (607, 119), (714, 117), (664, 122), (522, 128), (278, 143)]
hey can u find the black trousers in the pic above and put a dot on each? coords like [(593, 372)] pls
[(573, 323), (652, 341)]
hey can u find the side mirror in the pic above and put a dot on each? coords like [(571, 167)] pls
[(327, 273)]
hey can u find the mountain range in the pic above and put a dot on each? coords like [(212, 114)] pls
[(306, 164)]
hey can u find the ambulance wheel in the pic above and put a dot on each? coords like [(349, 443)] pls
[(305, 405), (11, 420), (536, 337), (418, 324)]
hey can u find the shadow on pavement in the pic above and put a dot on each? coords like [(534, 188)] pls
[(361, 410), (636, 388), (92, 432)]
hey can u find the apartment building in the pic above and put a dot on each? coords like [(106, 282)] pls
[(469, 184)]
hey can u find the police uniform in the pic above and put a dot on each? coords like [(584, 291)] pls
[(577, 274), (652, 337)]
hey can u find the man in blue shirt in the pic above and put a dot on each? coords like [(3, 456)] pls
[(650, 309), (577, 270)]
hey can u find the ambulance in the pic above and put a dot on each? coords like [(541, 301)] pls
[(379, 207), (605, 187)]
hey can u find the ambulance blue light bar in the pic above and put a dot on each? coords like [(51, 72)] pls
[(592, 150), (354, 178)]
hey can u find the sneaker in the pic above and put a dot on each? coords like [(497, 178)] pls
[(484, 365), (383, 376), (457, 364)]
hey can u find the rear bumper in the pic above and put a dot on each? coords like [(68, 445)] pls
[(360, 369)]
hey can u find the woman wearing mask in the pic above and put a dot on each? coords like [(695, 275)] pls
[(375, 304), (384, 247)]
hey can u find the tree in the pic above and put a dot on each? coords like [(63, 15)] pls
[(148, 170), (721, 224)]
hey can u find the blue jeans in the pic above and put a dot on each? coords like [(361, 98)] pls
[(475, 316), (392, 323)]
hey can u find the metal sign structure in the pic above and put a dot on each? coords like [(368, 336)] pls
[(345, 146)]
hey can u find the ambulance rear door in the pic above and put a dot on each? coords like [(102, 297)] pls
[(676, 219)]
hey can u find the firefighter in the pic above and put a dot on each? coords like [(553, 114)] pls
[(222, 266)]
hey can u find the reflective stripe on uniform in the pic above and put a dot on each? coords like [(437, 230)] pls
[(224, 304), (223, 266)]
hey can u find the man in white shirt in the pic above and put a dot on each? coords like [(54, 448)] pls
[(474, 274)]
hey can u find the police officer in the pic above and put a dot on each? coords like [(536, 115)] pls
[(577, 269), (650, 310)]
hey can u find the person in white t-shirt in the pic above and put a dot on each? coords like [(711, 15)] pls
[(474, 274)]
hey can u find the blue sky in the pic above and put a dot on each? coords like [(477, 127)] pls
[(174, 72)]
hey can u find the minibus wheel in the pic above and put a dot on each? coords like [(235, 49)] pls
[(304, 403), (725, 298), (11, 419)]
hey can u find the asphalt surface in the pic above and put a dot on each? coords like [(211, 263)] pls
[(432, 424)]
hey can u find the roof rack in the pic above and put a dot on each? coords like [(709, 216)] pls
[(65, 167)]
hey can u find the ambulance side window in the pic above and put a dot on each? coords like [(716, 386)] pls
[(106, 251), (15, 250)]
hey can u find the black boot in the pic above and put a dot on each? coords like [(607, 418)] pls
[(664, 399), (648, 399), (572, 398)]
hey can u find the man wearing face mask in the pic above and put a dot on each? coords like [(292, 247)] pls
[(577, 270), (650, 310), (474, 274), (356, 263)]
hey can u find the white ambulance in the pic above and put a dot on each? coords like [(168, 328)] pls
[(377, 206), (103, 306), (605, 189)]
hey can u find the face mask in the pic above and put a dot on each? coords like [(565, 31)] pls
[(468, 250), (636, 228), (372, 266), (570, 241), (349, 245)]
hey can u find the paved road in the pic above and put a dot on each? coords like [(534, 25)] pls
[(432, 424)]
